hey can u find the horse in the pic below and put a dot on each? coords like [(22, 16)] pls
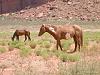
[(18, 33), (64, 32)]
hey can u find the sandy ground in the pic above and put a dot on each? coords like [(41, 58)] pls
[(11, 62)]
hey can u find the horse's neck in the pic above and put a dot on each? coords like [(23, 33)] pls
[(51, 31)]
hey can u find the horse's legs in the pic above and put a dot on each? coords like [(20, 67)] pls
[(12, 38), (78, 40), (17, 37), (25, 38), (59, 43), (75, 40), (29, 37), (79, 43)]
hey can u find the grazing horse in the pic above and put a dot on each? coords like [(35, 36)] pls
[(18, 33), (64, 32)]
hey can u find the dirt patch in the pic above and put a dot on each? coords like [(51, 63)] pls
[(12, 64)]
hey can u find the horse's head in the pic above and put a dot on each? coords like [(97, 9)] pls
[(42, 30)]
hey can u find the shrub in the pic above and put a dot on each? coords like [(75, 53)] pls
[(2, 50), (24, 51), (42, 52), (66, 44), (16, 44), (67, 57), (10, 48), (2, 43), (83, 67), (33, 44), (46, 44)]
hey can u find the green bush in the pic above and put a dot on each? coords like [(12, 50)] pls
[(66, 44), (16, 44), (46, 44), (24, 51), (42, 52), (67, 57), (2, 50), (2, 43), (83, 67), (33, 44), (10, 48)]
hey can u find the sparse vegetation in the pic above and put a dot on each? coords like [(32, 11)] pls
[(64, 56), (66, 44), (24, 51), (42, 52), (45, 46), (33, 44), (2, 43), (2, 50), (10, 48), (16, 44), (84, 67)]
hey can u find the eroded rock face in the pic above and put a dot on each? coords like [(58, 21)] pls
[(84, 9), (39, 15)]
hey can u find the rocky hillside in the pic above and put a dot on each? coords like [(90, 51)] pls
[(81, 9)]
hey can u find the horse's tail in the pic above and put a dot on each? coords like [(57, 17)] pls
[(81, 36), (80, 33)]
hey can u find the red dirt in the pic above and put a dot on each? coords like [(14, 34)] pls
[(11, 62)]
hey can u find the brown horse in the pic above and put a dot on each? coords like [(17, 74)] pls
[(18, 33), (64, 32)]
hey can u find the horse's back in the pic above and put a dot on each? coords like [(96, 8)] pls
[(21, 32), (68, 29)]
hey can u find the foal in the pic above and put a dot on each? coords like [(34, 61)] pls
[(18, 33), (64, 32)]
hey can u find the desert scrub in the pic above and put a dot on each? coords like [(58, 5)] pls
[(10, 48), (16, 44), (33, 44), (25, 51), (88, 36), (2, 50), (67, 57), (3, 43), (84, 67), (5, 35), (39, 42), (42, 52), (66, 43), (46, 44)]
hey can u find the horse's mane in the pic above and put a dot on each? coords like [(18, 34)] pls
[(53, 26)]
